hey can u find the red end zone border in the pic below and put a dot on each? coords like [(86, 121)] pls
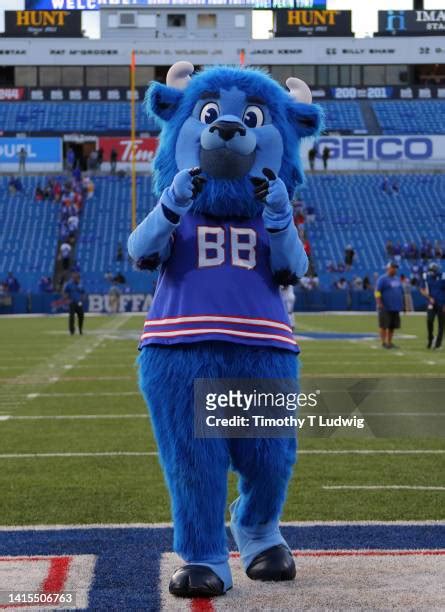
[(47, 575), (363, 565)]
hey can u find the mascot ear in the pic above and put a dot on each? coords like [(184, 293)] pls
[(307, 119), (162, 101)]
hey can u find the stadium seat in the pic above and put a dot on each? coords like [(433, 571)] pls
[(105, 222), (354, 209), (28, 234), (411, 117), (72, 116)]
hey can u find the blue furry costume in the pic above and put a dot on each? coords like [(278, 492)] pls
[(228, 154)]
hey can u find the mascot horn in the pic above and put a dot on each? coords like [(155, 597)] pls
[(223, 236)]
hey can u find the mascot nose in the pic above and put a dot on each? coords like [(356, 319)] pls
[(228, 129)]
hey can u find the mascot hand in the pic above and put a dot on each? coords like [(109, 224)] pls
[(272, 191), (186, 185)]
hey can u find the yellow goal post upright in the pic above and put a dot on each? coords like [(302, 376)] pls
[(133, 138)]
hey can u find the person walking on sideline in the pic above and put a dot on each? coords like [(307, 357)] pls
[(433, 288), (389, 299), (74, 292)]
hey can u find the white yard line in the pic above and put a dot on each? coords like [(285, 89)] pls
[(58, 527), (103, 454), (69, 356), (82, 394), (380, 487)]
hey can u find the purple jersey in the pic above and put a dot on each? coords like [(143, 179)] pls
[(217, 284)]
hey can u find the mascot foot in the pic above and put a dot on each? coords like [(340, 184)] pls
[(275, 563), (196, 581)]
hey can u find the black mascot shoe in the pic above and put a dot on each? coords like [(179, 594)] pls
[(276, 563), (195, 581)]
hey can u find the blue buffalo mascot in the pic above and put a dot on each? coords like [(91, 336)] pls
[(223, 235)]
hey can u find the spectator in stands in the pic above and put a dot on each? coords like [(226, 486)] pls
[(307, 247), (15, 185), (22, 160), (310, 213), (70, 159), (77, 173), (12, 284), (73, 225), (341, 284), (45, 285), (386, 187), (397, 252), (57, 191), (100, 158), (39, 195), (389, 248), (325, 156), (119, 252), (357, 283), (366, 283), (349, 256), (395, 187), (438, 250), (74, 292), (312, 154), (389, 300), (119, 278), (113, 160), (65, 254), (92, 161)]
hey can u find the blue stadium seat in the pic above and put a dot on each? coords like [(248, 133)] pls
[(28, 234), (106, 221), (354, 209), (72, 116), (344, 117), (411, 117)]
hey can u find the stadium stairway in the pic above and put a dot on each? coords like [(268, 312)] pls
[(106, 223)]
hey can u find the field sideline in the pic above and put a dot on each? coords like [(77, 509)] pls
[(76, 445)]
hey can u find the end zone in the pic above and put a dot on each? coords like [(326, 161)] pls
[(339, 566)]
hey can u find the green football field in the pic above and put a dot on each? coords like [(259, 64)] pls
[(76, 444)]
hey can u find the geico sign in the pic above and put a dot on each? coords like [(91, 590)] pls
[(385, 148)]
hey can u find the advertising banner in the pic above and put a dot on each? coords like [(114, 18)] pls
[(43, 24), (312, 23), (411, 23), (41, 153), (379, 152), (12, 94), (145, 151)]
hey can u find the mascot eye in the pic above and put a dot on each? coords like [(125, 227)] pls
[(209, 112), (253, 117)]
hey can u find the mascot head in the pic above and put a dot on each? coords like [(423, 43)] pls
[(231, 123)]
